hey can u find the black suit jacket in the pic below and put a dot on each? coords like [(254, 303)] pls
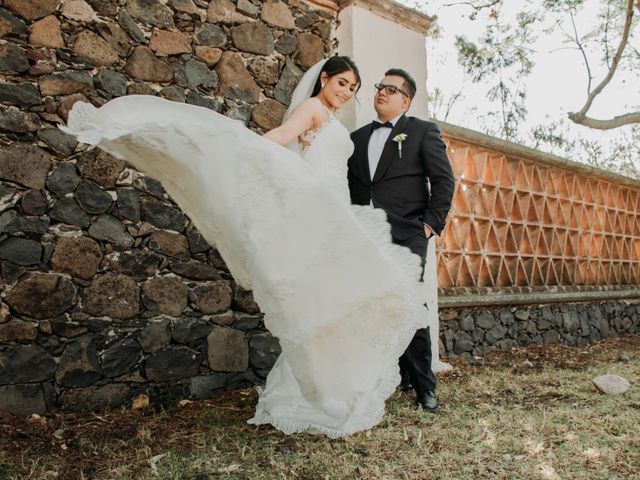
[(413, 189)]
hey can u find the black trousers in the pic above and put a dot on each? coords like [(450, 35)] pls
[(415, 363)]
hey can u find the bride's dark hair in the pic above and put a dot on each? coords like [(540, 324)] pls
[(334, 66)]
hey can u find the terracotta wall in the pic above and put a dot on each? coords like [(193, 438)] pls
[(523, 221)]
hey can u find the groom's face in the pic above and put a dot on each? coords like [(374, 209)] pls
[(391, 105)]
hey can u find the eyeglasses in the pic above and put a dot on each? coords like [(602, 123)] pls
[(389, 89)]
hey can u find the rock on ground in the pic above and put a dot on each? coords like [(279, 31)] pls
[(611, 383)]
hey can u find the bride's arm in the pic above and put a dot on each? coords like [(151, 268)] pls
[(302, 119)]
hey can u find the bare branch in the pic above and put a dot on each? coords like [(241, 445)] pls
[(554, 50), (496, 19), (473, 5), (584, 54), (454, 98), (450, 104), (577, 117), (606, 35), (615, 122)]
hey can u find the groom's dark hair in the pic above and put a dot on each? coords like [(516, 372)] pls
[(409, 82)]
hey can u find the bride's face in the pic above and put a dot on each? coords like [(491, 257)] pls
[(339, 88)]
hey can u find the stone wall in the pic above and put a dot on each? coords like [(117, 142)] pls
[(108, 291), (478, 331)]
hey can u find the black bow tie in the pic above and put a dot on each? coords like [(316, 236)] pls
[(375, 125)]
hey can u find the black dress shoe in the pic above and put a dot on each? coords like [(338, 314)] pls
[(427, 401), (406, 387)]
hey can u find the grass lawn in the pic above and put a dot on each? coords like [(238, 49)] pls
[(525, 414)]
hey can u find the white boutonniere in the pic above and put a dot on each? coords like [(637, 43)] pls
[(401, 137)]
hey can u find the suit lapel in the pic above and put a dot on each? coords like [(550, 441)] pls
[(390, 150), (364, 156)]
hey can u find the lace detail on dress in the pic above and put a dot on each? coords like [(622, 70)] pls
[(307, 138)]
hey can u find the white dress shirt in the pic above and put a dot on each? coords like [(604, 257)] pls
[(376, 144)]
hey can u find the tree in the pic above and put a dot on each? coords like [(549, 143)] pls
[(499, 64), (503, 57), (623, 52), (622, 156)]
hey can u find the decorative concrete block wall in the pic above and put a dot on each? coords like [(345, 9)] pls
[(108, 291), (523, 221)]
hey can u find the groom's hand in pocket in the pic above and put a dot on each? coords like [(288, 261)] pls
[(427, 231)]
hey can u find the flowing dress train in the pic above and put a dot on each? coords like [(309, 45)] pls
[(343, 300)]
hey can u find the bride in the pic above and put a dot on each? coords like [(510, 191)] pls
[(342, 299)]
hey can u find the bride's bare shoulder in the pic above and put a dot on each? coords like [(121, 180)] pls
[(311, 106)]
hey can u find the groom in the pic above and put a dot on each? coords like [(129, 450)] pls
[(400, 164)]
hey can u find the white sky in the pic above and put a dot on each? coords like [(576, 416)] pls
[(556, 86)]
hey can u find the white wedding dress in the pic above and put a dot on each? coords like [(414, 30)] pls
[(342, 299)]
